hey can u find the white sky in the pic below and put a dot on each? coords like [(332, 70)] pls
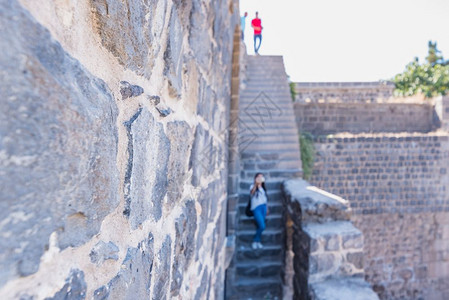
[(348, 40)]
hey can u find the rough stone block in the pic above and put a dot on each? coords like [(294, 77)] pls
[(58, 149), (134, 277), (316, 204), (146, 176), (74, 289), (129, 30), (103, 251)]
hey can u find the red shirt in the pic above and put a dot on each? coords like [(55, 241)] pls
[(257, 23)]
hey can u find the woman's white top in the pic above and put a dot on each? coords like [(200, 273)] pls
[(259, 197)]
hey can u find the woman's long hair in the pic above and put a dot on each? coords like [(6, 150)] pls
[(263, 185)]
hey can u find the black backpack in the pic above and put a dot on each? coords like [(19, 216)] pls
[(248, 211)]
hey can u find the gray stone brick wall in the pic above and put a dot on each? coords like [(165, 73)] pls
[(351, 92), (397, 188), (405, 173), (407, 255), (329, 118), (113, 139)]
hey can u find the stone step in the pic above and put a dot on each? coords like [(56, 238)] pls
[(264, 84), (271, 221), (259, 156), (275, 208), (269, 237), (342, 289), (262, 118), (261, 268), (275, 129), (267, 253), (273, 174), (290, 138), (250, 147), (267, 165), (258, 289), (261, 144), (275, 195), (275, 98), (274, 184)]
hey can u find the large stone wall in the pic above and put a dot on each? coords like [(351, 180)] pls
[(343, 92), (113, 143), (407, 255), (329, 118), (403, 173), (397, 187)]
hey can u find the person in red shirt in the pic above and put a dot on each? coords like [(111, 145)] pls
[(256, 24)]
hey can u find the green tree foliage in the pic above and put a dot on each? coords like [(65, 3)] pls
[(307, 153), (430, 79), (293, 90)]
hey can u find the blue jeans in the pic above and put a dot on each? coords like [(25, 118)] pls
[(260, 212), (257, 36)]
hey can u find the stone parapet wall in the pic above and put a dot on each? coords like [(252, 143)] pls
[(326, 249), (405, 173), (330, 118), (351, 92), (113, 147)]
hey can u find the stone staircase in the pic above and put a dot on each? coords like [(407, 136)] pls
[(268, 143)]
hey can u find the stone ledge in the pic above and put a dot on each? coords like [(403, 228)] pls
[(342, 289), (314, 204)]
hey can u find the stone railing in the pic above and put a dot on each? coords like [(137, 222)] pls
[(327, 249)]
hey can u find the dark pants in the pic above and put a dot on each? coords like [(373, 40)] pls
[(257, 36), (260, 212), (243, 36)]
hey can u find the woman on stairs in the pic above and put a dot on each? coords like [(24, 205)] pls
[(258, 196)]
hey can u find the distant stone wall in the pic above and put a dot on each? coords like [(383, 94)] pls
[(343, 91), (329, 118), (403, 173), (113, 143), (397, 188), (407, 255)]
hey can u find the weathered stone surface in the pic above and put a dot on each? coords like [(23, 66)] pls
[(162, 271), (58, 147), (332, 243), (74, 289), (201, 156), (323, 262), (129, 29), (353, 241), (356, 258), (342, 289), (146, 177), (178, 162), (163, 110), (71, 188), (172, 55), (103, 251), (135, 276), (184, 245), (155, 100), (200, 20), (128, 90), (201, 292), (315, 204)]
